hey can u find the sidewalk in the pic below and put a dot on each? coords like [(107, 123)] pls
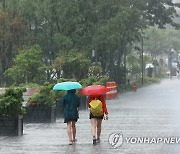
[(52, 138), (146, 113)]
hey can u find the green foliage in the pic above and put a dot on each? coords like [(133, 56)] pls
[(161, 72), (13, 30), (93, 80), (11, 102), (87, 81), (76, 65), (59, 95), (148, 80), (161, 41), (107, 27), (133, 64), (29, 85), (95, 72), (64, 80), (95, 76), (102, 80), (45, 96), (28, 66), (157, 14)]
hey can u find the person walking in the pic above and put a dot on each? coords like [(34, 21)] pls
[(71, 103), (96, 121)]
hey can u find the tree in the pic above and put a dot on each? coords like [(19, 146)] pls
[(158, 12), (133, 65), (28, 66), (75, 65), (109, 27), (159, 42), (12, 30)]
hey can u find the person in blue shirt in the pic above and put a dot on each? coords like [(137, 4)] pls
[(71, 103)]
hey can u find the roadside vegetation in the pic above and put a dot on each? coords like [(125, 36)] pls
[(88, 41)]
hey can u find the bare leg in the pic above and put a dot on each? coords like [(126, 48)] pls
[(74, 130), (69, 130), (93, 127), (99, 122)]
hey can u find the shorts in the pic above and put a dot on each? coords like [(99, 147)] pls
[(97, 117), (67, 120)]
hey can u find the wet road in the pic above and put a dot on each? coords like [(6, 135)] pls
[(151, 112)]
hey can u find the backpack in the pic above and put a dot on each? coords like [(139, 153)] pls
[(96, 107)]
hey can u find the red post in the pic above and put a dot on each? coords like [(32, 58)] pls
[(134, 87)]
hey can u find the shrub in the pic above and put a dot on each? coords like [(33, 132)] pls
[(93, 80), (102, 80), (148, 80), (45, 96), (11, 102), (29, 85), (64, 80), (28, 66), (87, 81)]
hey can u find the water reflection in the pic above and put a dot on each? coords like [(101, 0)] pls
[(85, 148)]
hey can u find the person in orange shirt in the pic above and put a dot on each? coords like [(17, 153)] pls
[(96, 121)]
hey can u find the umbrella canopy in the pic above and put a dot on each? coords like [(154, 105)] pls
[(69, 85), (94, 90)]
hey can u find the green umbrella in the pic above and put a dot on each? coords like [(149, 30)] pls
[(68, 85)]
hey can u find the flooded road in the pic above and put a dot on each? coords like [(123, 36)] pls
[(151, 112)]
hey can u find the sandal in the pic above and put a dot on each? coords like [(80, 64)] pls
[(70, 142), (75, 140), (94, 140), (98, 140)]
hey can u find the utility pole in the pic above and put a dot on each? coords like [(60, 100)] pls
[(170, 59), (142, 59)]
